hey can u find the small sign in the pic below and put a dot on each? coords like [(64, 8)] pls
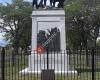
[(47, 75)]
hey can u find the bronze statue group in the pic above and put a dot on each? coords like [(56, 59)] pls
[(43, 3)]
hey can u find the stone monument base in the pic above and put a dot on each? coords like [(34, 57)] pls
[(46, 20), (58, 62), (27, 71)]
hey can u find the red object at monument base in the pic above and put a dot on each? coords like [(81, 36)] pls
[(40, 50)]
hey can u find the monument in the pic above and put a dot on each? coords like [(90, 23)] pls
[(48, 32)]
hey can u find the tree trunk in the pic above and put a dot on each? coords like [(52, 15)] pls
[(15, 51)]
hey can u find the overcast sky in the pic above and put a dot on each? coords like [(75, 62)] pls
[(9, 1)]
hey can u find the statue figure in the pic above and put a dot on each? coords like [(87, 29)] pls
[(52, 3), (35, 4), (42, 3), (61, 3)]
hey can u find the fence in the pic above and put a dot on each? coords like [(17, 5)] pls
[(85, 62)]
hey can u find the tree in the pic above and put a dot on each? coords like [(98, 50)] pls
[(98, 43), (16, 18), (82, 24), (82, 19)]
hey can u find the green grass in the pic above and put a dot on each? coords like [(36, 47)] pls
[(81, 76), (77, 63)]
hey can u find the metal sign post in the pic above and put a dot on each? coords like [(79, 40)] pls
[(47, 58), (48, 74)]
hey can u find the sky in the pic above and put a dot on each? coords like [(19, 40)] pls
[(9, 1), (3, 42), (5, 1)]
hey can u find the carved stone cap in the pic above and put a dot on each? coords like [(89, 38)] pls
[(48, 13), (55, 12)]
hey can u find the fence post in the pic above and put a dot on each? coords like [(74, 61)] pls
[(47, 59), (3, 64), (48, 74), (93, 68)]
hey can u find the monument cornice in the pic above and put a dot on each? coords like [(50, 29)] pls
[(48, 12)]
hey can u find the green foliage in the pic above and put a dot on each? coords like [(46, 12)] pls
[(78, 7), (17, 17), (73, 37), (98, 43), (73, 7), (82, 22)]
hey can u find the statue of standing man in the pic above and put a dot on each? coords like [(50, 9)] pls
[(35, 4), (43, 3), (39, 3), (52, 3)]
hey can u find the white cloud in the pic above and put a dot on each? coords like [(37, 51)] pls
[(28, 0)]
